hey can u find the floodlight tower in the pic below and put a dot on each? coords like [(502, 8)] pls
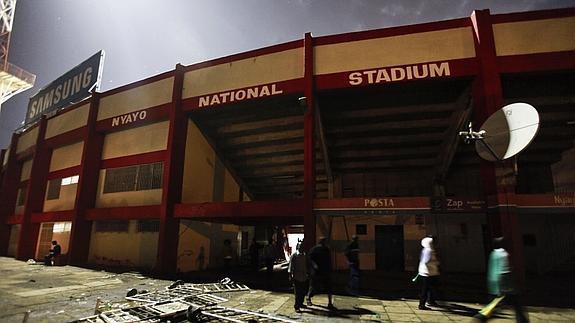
[(13, 79)]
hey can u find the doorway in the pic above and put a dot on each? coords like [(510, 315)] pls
[(389, 254)]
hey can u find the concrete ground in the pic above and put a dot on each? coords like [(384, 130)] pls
[(62, 294)]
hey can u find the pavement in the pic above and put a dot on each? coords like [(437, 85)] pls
[(67, 293)]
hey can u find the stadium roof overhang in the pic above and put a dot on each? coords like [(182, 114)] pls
[(368, 130)]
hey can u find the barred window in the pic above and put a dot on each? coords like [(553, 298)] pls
[(148, 226), (134, 178), (150, 176), (54, 189), (21, 196), (112, 226)]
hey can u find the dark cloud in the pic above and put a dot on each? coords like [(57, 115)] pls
[(142, 37)]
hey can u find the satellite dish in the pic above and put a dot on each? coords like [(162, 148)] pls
[(508, 131)]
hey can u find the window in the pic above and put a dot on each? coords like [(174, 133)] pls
[(148, 226), (55, 184), (54, 189), (21, 196), (361, 229), (134, 178), (112, 226)]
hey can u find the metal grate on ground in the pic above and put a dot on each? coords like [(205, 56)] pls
[(226, 314)]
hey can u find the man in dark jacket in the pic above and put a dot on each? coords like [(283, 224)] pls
[(54, 252), (352, 255), (320, 261)]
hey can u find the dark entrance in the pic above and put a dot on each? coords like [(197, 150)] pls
[(389, 247)]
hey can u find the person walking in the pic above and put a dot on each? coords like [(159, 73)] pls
[(254, 251), (320, 262), (298, 269), (352, 255), (501, 283), (228, 255), (429, 273), (270, 259)]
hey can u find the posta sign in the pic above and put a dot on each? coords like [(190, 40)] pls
[(72, 87)]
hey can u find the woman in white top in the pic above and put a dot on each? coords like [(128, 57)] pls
[(429, 273)]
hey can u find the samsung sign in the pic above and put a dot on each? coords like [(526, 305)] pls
[(74, 86)]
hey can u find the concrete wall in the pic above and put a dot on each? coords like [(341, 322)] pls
[(131, 248), (195, 235)]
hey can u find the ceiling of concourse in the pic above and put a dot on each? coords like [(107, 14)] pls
[(553, 97), (360, 131), (261, 142)]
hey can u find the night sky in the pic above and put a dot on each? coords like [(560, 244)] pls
[(142, 38)]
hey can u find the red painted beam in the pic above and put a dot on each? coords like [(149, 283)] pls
[(124, 213), (53, 216), (35, 195), (14, 219), (134, 119), (537, 62), (145, 158), (66, 172), (168, 237), (235, 210), (309, 145), (66, 138)]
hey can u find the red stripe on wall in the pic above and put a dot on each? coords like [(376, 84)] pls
[(66, 172), (124, 213), (393, 31), (374, 203), (53, 216), (537, 62), (233, 210), (285, 87), (14, 219), (146, 158), (134, 119), (67, 138), (533, 15), (26, 154), (457, 68)]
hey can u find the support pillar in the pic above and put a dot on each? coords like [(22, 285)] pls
[(87, 187), (9, 193), (498, 178), (168, 239), (35, 195), (309, 146)]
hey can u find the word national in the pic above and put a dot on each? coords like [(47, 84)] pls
[(239, 95), (395, 74)]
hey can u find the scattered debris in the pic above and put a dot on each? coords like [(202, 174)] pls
[(181, 301)]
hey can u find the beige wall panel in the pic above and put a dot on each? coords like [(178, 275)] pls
[(265, 69), (134, 141), (67, 156), (27, 140), (142, 97), (417, 48), (26, 170), (198, 183), (130, 248), (133, 198), (64, 202), (536, 36), (68, 121), (231, 188)]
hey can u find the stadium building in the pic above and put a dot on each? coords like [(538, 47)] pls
[(341, 135)]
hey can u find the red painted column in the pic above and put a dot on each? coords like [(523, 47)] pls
[(87, 188), (9, 193), (309, 145), (499, 185), (35, 195), (168, 239)]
